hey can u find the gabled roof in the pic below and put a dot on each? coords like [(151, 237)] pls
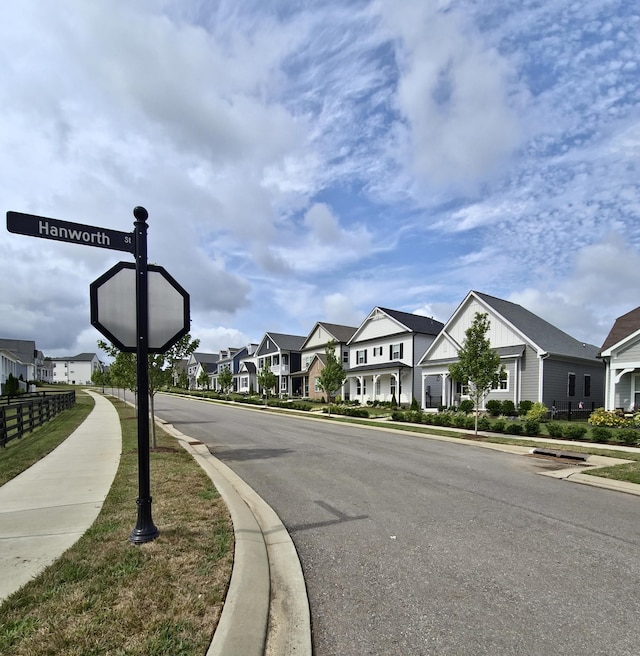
[(81, 357), (544, 335), (205, 357), (249, 366), (23, 348), (340, 333), (623, 327), (286, 342), (416, 323)]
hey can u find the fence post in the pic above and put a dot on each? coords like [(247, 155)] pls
[(569, 413)]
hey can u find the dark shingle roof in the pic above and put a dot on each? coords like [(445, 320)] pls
[(288, 342), (81, 357), (206, 357), (341, 333), (543, 334), (625, 325), (416, 322)]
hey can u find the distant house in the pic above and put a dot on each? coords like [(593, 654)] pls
[(312, 355), (542, 362), (200, 363), (230, 358), (620, 353), (281, 354), (247, 376), (384, 352), (21, 359), (75, 370)]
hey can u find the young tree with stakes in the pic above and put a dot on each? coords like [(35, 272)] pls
[(478, 364)]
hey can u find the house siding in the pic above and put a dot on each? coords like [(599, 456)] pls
[(629, 354), (556, 382), (530, 375)]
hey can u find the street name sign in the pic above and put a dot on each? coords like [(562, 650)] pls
[(74, 233), (114, 308)]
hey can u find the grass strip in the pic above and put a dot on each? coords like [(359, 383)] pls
[(108, 596), (22, 452)]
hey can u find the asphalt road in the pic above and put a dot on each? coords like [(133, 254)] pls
[(414, 546)]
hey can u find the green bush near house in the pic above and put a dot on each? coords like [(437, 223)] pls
[(466, 406), (493, 407), (513, 428), (575, 432), (628, 436), (601, 434), (524, 407), (555, 429), (499, 426), (508, 408), (538, 411), (484, 424), (531, 427)]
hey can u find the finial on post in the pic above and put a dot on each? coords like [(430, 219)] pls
[(140, 213)]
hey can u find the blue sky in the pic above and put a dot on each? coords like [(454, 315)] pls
[(305, 161)]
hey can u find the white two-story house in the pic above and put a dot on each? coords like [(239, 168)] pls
[(384, 352)]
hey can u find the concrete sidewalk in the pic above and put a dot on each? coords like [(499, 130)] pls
[(48, 507)]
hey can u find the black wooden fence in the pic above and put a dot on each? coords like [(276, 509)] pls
[(20, 415)]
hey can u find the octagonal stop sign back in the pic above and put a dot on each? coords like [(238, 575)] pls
[(114, 312)]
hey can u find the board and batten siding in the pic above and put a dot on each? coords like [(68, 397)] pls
[(556, 382), (530, 375)]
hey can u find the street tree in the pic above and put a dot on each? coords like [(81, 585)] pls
[(225, 379), (161, 367), (478, 364), (267, 380), (203, 380), (332, 376)]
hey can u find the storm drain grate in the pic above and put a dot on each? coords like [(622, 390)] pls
[(557, 453)]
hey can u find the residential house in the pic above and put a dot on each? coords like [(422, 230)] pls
[(21, 359), (231, 358), (620, 353), (384, 352), (281, 354), (312, 355), (246, 380), (198, 364), (75, 370), (542, 362)]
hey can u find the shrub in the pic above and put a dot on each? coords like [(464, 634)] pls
[(508, 408), (414, 405), (459, 420), (498, 426), (628, 436), (575, 432), (484, 424), (513, 428), (601, 434), (538, 411), (601, 417), (531, 426), (415, 416), (398, 415), (524, 407), (466, 406), (493, 407), (555, 429)]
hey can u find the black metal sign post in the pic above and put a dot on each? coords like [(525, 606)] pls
[(145, 530), (132, 242)]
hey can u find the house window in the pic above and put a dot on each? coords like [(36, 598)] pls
[(316, 384), (261, 363), (378, 386), (587, 384), (392, 386), (244, 382), (283, 384), (358, 387), (285, 359), (307, 361), (276, 360), (345, 357), (361, 356), (268, 345), (395, 351), (377, 350), (502, 384), (571, 385)]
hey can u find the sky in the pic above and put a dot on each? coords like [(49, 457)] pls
[(307, 161)]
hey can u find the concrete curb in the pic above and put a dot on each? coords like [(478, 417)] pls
[(266, 611)]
